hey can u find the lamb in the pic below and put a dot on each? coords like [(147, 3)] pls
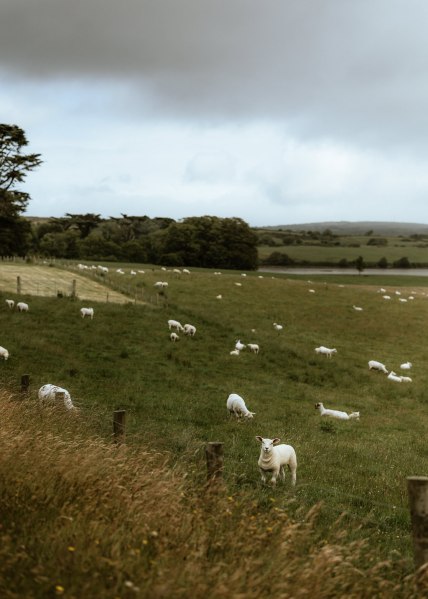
[(253, 347), (4, 353), (358, 308), (406, 366), (87, 312), (336, 413), (236, 405), (392, 376), (10, 303), (174, 337), (273, 458), (235, 352), (49, 391), (174, 324), (326, 351), (386, 297), (406, 379), (239, 346), (375, 365), (189, 329), (277, 327), (22, 307)]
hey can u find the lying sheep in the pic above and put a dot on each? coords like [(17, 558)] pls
[(336, 413), (174, 324), (325, 351), (22, 307), (4, 353), (392, 376), (189, 329), (48, 392), (253, 347), (87, 312), (406, 379), (10, 303), (375, 365), (273, 458), (235, 352), (236, 405), (406, 366)]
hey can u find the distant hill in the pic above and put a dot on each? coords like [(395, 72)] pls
[(358, 228)]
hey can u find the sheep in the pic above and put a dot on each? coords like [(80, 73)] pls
[(174, 324), (22, 307), (277, 327), (238, 284), (386, 297), (4, 353), (311, 290), (186, 271), (87, 312), (406, 366), (160, 284), (406, 379), (357, 308), (273, 458), (219, 296), (10, 303), (394, 377), (336, 413), (375, 365), (253, 347), (235, 352), (189, 329), (49, 391), (326, 351), (239, 346), (174, 337), (236, 405)]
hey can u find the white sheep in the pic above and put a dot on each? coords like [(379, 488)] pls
[(392, 376), (406, 366), (386, 297), (219, 296), (375, 365), (336, 413), (174, 337), (235, 352), (236, 405), (358, 308), (273, 458), (4, 353), (186, 271), (406, 379), (49, 391), (87, 312), (239, 346), (277, 327), (325, 351), (10, 303), (189, 329), (22, 307), (253, 347), (174, 324)]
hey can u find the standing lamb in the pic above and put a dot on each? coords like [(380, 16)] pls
[(326, 351), (49, 391), (236, 405), (10, 303), (22, 307), (4, 353), (274, 457), (336, 413), (253, 347), (174, 337), (87, 312)]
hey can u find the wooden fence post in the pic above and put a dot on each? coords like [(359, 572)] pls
[(119, 419), (417, 487), (25, 382), (73, 289), (214, 455), (18, 284)]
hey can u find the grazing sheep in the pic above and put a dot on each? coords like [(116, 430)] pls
[(10, 303), (174, 337), (311, 290), (174, 324), (392, 376), (273, 458), (49, 392), (238, 284), (4, 353), (406, 366), (189, 329), (336, 413), (186, 271), (239, 346), (22, 307), (160, 284), (326, 351), (375, 365), (253, 347), (386, 297), (87, 312), (236, 405)]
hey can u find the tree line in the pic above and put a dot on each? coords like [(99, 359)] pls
[(207, 241)]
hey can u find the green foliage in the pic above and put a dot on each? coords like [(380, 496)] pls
[(380, 241), (402, 263)]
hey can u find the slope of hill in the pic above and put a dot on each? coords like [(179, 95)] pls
[(358, 227)]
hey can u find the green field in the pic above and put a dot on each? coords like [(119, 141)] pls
[(175, 394)]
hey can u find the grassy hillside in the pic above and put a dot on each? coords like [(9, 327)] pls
[(175, 396)]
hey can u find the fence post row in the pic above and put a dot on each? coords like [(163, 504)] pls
[(18, 284), (417, 487), (119, 420)]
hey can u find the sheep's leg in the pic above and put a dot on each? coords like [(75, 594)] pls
[(282, 473), (293, 468), (274, 477), (263, 475)]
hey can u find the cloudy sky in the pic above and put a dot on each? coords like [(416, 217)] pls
[(275, 111)]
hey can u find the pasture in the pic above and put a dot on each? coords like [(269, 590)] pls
[(175, 393)]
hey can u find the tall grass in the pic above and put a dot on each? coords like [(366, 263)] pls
[(175, 394), (82, 517)]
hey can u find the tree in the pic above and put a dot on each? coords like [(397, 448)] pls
[(359, 264)]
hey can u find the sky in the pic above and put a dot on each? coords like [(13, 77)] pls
[(275, 111)]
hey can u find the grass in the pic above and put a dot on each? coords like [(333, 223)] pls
[(175, 398)]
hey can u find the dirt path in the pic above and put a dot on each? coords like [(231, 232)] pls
[(49, 281)]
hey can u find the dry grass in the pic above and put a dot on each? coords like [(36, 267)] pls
[(85, 518), (46, 281)]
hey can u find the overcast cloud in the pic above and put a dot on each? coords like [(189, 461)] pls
[(279, 112)]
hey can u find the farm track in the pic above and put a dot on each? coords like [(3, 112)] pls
[(48, 281)]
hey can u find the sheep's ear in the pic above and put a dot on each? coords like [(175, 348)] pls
[(275, 441), (259, 438)]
